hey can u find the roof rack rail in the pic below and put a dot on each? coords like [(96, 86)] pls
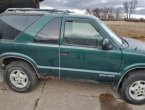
[(12, 10)]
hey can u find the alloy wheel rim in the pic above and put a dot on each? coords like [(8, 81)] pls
[(137, 90), (19, 78)]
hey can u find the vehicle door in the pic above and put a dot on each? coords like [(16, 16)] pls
[(81, 53)]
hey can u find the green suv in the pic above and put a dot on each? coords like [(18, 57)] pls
[(38, 43)]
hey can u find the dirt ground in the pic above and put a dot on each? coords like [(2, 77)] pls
[(128, 29), (59, 95)]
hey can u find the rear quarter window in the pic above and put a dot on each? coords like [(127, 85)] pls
[(49, 34), (12, 25)]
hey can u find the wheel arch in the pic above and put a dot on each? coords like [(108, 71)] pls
[(125, 75), (17, 56)]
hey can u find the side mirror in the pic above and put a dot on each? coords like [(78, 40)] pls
[(106, 44)]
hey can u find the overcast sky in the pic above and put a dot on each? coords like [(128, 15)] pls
[(81, 5)]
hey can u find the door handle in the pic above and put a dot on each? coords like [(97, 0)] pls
[(65, 53)]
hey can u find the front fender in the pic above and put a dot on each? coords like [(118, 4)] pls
[(126, 70)]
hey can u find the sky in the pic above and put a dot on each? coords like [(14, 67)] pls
[(80, 6)]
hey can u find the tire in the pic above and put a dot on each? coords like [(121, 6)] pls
[(133, 88), (20, 76)]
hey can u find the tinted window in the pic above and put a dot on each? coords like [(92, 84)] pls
[(81, 33), (11, 26), (50, 33)]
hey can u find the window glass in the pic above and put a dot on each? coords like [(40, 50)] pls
[(81, 33), (50, 33), (11, 26), (111, 33)]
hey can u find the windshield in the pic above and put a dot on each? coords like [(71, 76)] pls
[(110, 32)]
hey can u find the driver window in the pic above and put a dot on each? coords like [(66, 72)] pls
[(81, 34)]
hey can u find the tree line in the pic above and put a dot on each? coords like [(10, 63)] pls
[(115, 13)]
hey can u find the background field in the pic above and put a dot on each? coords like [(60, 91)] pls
[(128, 29)]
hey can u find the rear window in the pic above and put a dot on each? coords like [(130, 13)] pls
[(11, 26)]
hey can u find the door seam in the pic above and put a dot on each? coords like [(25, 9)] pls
[(59, 63)]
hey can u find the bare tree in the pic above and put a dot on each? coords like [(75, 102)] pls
[(133, 5), (118, 13), (111, 13), (129, 7), (106, 13), (97, 12), (126, 9)]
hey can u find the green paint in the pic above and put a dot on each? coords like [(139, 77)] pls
[(90, 63)]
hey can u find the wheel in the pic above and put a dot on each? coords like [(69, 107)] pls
[(133, 88), (20, 76)]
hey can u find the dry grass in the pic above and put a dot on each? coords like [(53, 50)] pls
[(128, 29)]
